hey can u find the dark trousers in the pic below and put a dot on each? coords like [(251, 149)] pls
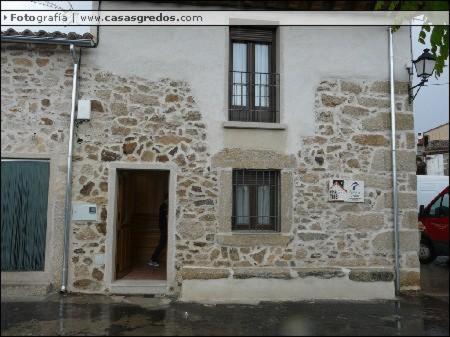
[(161, 245)]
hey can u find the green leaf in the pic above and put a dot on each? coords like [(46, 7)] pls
[(393, 5), (379, 5)]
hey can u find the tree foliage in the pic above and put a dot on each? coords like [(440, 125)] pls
[(438, 35)]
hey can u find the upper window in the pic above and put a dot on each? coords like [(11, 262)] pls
[(256, 200), (253, 80)]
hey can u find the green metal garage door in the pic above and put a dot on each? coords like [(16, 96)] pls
[(24, 194)]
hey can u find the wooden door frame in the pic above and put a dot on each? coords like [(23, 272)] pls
[(111, 229)]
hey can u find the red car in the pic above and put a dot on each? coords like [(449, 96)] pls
[(433, 224)]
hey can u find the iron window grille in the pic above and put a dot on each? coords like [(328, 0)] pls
[(256, 200), (253, 96), (253, 83)]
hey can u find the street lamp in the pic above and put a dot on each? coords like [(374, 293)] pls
[(424, 68)]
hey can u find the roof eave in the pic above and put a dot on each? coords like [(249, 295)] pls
[(48, 40)]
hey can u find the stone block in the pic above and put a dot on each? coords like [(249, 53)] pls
[(172, 98), (371, 140), (347, 86), (265, 273), (410, 260), (119, 109), (21, 61), (384, 242), (109, 155), (383, 182), (148, 156), (384, 87), (190, 229), (353, 163), (144, 99), (355, 111), (332, 101), (374, 102), (409, 220), (410, 279), (312, 236), (369, 275), (253, 240), (259, 256), (42, 62), (128, 148), (409, 240), (120, 130), (382, 122), (240, 158), (405, 200), (172, 140), (324, 117), (127, 121), (96, 106), (382, 161), (310, 178), (321, 273), (410, 140), (364, 222)]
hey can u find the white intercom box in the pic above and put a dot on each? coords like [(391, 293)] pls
[(84, 109), (84, 212)]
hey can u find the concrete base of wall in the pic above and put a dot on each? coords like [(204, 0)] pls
[(20, 290), (138, 287), (256, 290)]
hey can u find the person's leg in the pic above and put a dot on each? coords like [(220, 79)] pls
[(161, 245)]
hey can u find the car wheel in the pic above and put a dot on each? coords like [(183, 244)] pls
[(426, 254)]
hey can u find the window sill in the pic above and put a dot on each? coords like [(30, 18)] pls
[(254, 125), (252, 239)]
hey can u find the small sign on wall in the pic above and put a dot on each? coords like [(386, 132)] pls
[(346, 190), (84, 212)]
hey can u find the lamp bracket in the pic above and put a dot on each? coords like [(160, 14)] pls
[(411, 94)]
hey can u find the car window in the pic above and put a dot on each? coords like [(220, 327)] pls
[(434, 207), (444, 205)]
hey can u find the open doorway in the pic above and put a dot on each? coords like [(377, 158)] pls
[(141, 223)]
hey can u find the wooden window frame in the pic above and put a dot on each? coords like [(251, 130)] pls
[(251, 36), (275, 197)]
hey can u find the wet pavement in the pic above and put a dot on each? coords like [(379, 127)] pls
[(423, 313), (434, 277)]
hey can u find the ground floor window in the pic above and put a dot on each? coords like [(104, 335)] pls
[(256, 200), (24, 202)]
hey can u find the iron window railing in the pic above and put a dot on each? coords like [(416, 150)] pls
[(254, 96), (256, 200)]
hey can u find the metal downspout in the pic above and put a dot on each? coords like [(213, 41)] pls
[(68, 199), (394, 165)]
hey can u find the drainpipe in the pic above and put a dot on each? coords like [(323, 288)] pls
[(394, 165), (68, 200)]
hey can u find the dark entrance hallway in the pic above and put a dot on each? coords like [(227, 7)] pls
[(139, 198)]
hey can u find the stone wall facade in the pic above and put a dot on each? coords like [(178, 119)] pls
[(147, 121), (35, 113), (353, 142)]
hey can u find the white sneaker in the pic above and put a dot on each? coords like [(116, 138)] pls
[(153, 264)]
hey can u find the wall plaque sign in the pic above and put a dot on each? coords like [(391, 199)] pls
[(346, 190)]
